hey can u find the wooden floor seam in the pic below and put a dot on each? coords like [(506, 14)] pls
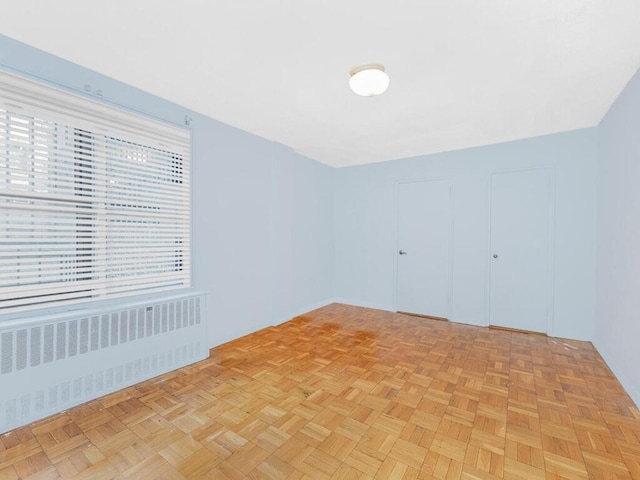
[(352, 393)]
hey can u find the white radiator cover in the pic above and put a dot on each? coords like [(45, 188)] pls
[(50, 364)]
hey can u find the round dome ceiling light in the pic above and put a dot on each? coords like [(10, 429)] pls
[(369, 80)]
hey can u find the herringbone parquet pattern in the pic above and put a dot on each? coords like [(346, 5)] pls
[(351, 393)]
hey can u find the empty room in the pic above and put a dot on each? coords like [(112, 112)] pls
[(319, 240)]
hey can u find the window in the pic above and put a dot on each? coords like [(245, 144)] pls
[(94, 200)]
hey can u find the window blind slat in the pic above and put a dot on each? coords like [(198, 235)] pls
[(9, 294), (174, 214), (94, 200), (43, 302), (110, 197), (34, 268)]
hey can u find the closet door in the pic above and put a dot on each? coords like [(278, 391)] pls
[(424, 248), (520, 263)]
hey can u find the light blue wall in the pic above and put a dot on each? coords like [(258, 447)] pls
[(365, 225), (232, 216), (282, 235), (312, 233), (618, 298), (248, 194), (302, 235)]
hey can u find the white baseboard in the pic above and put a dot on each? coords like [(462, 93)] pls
[(632, 390), (468, 321), (313, 306), (302, 311), (329, 301), (358, 303)]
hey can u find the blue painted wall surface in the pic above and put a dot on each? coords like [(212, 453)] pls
[(302, 235), (312, 233), (618, 266), (365, 252), (243, 204)]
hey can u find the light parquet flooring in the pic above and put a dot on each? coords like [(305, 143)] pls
[(351, 393)]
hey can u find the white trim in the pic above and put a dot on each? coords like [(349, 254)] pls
[(313, 306), (372, 305), (468, 321), (358, 303), (301, 311), (328, 301)]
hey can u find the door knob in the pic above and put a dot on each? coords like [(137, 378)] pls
[(402, 252), (495, 255)]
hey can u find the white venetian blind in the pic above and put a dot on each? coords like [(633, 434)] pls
[(94, 200)]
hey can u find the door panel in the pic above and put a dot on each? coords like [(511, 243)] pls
[(424, 233), (520, 277)]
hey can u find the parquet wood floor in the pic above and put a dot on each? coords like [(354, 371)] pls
[(351, 393)]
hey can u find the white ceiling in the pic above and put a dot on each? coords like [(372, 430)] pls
[(463, 72)]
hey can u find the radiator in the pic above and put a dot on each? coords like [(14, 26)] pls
[(50, 364)]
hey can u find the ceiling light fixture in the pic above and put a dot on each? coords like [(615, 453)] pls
[(369, 80)]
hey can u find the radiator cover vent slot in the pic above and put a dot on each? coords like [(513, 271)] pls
[(48, 365)]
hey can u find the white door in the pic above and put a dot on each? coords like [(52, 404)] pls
[(424, 248), (521, 249)]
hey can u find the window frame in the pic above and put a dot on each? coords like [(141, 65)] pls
[(106, 117)]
